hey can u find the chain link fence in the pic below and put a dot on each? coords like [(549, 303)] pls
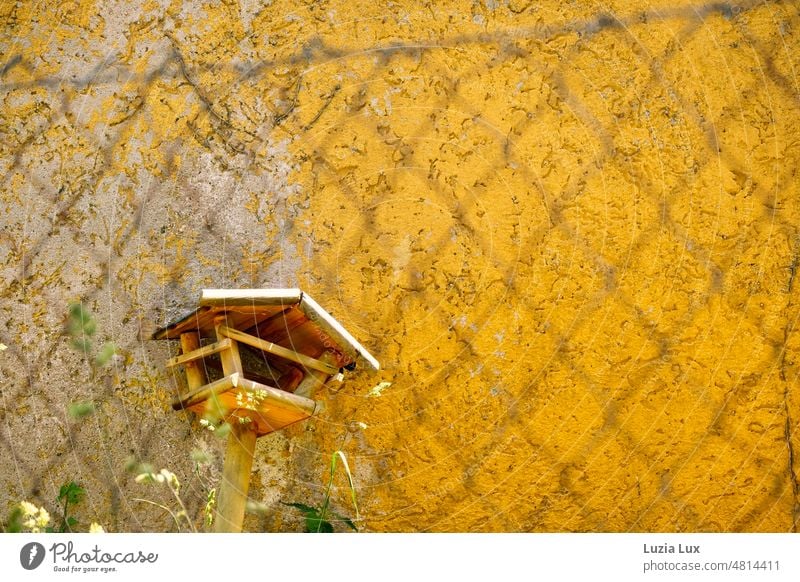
[(569, 232)]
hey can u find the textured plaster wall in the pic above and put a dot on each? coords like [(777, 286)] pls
[(569, 231)]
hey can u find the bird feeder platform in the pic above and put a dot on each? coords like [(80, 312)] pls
[(253, 358)]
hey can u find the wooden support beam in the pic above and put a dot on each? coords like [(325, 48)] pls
[(197, 353), (315, 378), (205, 392), (238, 453), (277, 350), (195, 375), (235, 479), (231, 360)]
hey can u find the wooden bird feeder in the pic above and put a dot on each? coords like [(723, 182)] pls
[(253, 358)]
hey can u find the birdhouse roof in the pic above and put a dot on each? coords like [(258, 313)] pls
[(287, 317)]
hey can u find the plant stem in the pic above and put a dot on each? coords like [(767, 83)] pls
[(64, 523), (183, 508), (323, 513), (164, 507)]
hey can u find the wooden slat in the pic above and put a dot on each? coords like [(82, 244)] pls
[(202, 320), (273, 397), (203, 393), (277, 350), (187, 324), (260, 311), (245, 297), (311, 341), (306, 339), (276, 319), (205, 322), (199, 353), (314, 378), (246, 318), (278, 329), (195, 375), (270, 417), (230, 358), (276, 397)]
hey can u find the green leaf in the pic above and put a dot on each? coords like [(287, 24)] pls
[(346, 520), (105, 354), (317, 518), (80, 409), (302, 507), (71, 492), (78, 313), (90, 327), (316, 525), (80, 321)]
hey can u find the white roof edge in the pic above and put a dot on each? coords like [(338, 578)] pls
[(326, 322), (245, 297)]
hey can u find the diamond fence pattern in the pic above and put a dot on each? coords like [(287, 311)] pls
[(612, 348)]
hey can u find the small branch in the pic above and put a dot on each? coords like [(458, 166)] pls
[(792, 273), (323, 108), (787, 433), (64, 524), (183, 509), (282, 116)]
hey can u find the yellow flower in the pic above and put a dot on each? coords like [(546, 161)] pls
[(43, 518), (170, 478), (28, 508), (142, 477), (96, 528), (36, 518)]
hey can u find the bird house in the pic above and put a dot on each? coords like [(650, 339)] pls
[(253, 358)]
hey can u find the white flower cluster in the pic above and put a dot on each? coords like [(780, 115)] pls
[(250, 399), (96, 528), (35, 518)]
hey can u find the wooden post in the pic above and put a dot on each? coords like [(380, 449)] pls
[(235, 479), (238, 455), (231, 361), (195, 374)]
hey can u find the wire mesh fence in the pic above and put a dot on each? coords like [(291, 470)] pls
[(569, 232)]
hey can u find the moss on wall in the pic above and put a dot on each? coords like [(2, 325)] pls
[(569, 231)]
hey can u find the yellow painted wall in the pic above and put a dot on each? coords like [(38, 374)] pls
[(568, 230)]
